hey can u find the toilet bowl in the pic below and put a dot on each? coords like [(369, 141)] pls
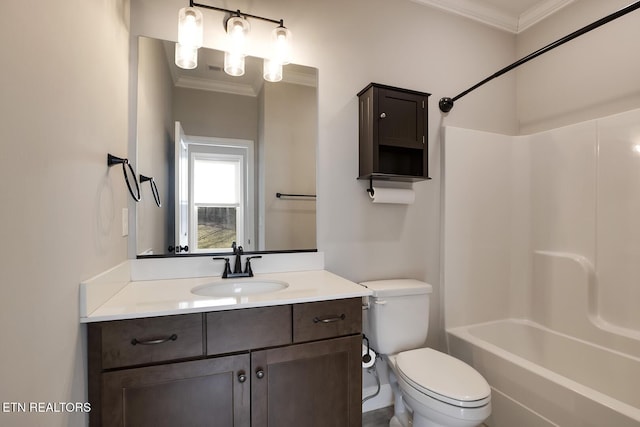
[(440, 390), (431, 388)]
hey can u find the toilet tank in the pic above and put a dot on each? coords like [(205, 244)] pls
[(398, 314)]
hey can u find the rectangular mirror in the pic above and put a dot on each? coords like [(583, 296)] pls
[(233, 158)]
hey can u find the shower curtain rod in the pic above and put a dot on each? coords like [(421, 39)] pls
[(446, 104)]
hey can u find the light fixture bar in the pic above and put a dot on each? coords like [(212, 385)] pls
[(236, 12)]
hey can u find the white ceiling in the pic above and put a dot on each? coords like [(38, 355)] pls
[(509, 15)]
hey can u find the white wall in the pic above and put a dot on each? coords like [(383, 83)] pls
[(589, 77), (352, 44), (64, 87)]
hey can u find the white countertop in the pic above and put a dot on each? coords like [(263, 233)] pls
[(148, 298)]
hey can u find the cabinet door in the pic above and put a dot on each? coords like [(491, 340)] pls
[(402, 119), (208, 392), (317, 384)]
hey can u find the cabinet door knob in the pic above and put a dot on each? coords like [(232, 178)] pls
[(242, 377), (383, 115), (259, 373)]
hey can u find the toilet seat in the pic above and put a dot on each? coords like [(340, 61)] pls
[(443, 377)]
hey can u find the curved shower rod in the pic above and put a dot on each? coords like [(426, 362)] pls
[(446, 104)]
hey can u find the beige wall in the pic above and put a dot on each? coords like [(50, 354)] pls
[(396, 43), (589, 77), (288, 146), (64, 86), (155, 142), (65, 105), (223, 115)]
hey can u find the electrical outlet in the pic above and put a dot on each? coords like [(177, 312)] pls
[(125, 222)]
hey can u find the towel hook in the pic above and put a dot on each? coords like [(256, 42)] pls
[(154, 188), (113, 160)]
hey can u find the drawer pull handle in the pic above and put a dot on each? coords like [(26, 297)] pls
[(242, 377), (173, 337), (260, 373), (329, 319)]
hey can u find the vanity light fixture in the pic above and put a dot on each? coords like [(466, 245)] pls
[(189, 37), (237, 32), (237, 28)]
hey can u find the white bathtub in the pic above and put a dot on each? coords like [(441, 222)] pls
[(543, 378)]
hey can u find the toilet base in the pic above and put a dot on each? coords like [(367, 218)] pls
[(395, 422)]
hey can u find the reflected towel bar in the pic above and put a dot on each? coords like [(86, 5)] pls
[(280, 195), (446, 104), (154, 188), (113, 160)]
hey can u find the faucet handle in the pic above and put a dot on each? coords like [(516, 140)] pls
[(247, 268), (227, 267), (237, 249)]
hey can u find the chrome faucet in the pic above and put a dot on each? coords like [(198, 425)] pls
[(237, 265)]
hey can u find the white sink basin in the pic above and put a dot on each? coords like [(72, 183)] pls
[(234, 288)]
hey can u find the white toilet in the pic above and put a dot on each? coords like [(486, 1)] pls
[(437, 389)]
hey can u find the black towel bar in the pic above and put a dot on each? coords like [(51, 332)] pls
[(280, 195), (154, 188), (113, 160)]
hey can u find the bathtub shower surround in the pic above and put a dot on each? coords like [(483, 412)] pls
[(547, 236)]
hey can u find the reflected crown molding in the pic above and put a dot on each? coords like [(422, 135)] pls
[(216, 86)]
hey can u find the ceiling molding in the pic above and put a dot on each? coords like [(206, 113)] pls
[(215, 86), (298, 78), (539, 12), (496, 17), (477, 12)]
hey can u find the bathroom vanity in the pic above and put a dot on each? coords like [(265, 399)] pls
[(284, 358)]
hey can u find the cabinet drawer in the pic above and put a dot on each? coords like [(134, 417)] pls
[(246, 329), (151, 340), (326, 319)]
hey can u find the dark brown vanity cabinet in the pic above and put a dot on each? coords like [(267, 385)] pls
[(393, 133), (276, 366)]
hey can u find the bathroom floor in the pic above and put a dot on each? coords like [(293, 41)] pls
[(377, 418), (380, 417)]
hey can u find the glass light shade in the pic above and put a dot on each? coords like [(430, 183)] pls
[(281, 41), (186, 56), (272, 70), (190, 27), (234, 64), (237, 29)]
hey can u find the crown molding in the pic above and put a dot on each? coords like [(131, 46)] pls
[(298, 78), (473, 10), (539, 12), (216, 86), (496, 18)]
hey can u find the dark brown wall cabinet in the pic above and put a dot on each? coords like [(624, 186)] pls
[(393, 133), (281, 366)]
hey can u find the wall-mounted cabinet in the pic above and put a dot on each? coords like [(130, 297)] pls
[(393, 133)]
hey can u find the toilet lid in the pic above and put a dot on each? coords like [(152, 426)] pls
[(443, 377)]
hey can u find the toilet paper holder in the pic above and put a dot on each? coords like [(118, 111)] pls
[(370, 190), (366, 358)]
